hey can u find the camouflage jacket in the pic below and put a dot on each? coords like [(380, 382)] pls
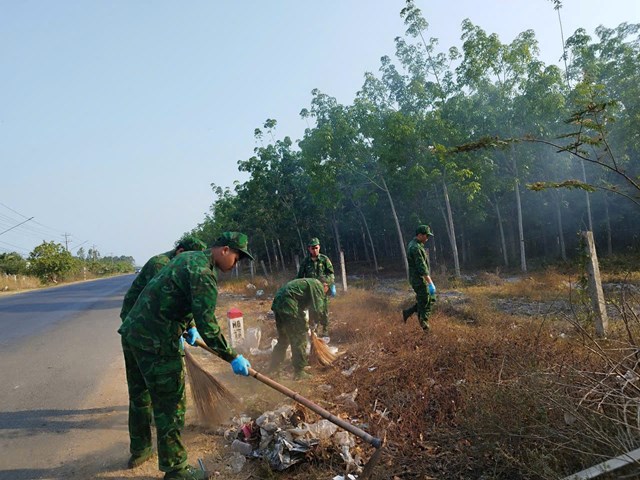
[(418, 262), (150, 269), (316, 269), (300, 294), (188, 284)]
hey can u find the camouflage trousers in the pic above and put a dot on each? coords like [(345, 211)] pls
[(423, 305), (292, 330), (156, 385)]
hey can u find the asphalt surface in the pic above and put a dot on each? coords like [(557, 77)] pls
[(59, 354)]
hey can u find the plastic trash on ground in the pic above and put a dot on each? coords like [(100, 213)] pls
[(283, 437)]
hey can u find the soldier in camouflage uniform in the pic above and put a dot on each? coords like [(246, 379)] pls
[(289, 305), (317, 265), (420, 278), (153, 266), (151, 336)]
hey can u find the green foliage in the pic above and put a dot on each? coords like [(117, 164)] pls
[(50, 262), (474, 123), (12, 263)]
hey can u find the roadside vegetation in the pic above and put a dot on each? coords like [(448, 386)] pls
[(50, 263)]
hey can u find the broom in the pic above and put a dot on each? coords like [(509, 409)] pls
[(320, 350), (213, 401)]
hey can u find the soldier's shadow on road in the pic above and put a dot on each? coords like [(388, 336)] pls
[(50, 421), (95, 466), (103, 462)]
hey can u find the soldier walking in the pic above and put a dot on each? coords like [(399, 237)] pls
[(317, 265), (420, 279)]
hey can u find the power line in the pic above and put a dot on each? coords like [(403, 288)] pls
[(16, 225)]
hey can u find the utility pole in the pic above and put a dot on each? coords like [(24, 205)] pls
[(66, 241)]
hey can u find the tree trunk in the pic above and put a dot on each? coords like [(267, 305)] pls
[(584, 179), (295, 219), (563, 249), (373, 248), (367, 257), (503, 242), (403, 250), (336, 233), (266, 249), (275, 253), (281, 255), (523, 258), (451, 230)]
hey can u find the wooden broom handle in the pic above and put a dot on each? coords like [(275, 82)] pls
[(370, 439)]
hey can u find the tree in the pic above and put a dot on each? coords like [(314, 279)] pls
[(50, 261), (12, 263)]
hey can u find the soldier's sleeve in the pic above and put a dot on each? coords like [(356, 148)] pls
[(427, 267), (329, 271), (422, 258), (204, 296), (416, 259), (130, 298), (148, 271)]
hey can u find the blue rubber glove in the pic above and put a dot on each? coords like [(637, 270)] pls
[(332, 289), (240, 365), (432, 289), (193, 335)]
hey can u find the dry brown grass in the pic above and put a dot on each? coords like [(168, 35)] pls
[(16, 283), (484, 394), (537, 286)]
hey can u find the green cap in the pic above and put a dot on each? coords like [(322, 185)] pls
[(313, 242), (190, 242), (425, 230), (236, 240)]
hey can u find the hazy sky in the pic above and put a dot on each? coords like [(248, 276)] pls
[(116, 116)]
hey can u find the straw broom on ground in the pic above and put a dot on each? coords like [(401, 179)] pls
[(213, 401), (320, 350)]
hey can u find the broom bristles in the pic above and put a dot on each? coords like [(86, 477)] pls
[(321, 351), (213, 401)]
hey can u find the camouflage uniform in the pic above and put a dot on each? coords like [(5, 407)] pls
[(151, 268), (418, 269), (151, 333), (289, 305), (322, 269)]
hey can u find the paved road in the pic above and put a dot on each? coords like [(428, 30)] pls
[(59, 354)]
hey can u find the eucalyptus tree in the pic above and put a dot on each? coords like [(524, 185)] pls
[(605, 106), (326, 152), (276, 192), (381, 128), (540, 107), (427, 96), (487, 60)]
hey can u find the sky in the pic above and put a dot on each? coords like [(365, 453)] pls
[(116, 116)]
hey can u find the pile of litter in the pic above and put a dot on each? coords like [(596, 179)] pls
[(285, 437)]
